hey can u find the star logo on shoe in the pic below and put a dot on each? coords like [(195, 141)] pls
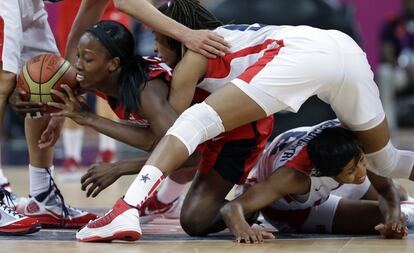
[(32, 207), (145, 178)]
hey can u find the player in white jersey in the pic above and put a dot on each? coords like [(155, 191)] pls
[(312, 180), (284, 67)]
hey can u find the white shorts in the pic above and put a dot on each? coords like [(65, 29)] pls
[(24, 33), (325, 63)]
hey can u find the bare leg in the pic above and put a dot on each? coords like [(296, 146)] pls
[(234, 107), (42, 158)]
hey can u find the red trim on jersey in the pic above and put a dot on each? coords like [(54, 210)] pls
[(268, 56), (301, 162), (220, 67), (1, 38)]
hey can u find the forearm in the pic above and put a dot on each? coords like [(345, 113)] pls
[(146, 13), (88, 14), (389, 203), (131, 166), (138, 137)]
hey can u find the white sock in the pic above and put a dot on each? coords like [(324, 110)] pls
[(72, 143), (39, 179), (106, 143), (3, 179), (169, 191), (144, 185)]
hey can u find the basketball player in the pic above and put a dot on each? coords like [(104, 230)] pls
[(269, 69), (25, 33), (311, 180), (226, 161)]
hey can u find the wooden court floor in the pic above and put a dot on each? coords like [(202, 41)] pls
[(167, 236)]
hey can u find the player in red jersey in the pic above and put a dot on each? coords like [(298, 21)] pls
[(137, 91), (277, 68)]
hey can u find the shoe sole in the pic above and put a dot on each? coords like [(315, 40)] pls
[(123, 236), (25, 231), (49, 222)]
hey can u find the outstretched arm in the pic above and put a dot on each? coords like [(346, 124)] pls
[(282, 182), (204, 42), (389, 202)]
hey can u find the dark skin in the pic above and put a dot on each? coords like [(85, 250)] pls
[(287, 181), (93, 58)]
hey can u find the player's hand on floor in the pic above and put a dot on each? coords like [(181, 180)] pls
[(393, 229), (72, 106), (206, 43), (51, 134), (250, 235), (24, 107), (99, 177)]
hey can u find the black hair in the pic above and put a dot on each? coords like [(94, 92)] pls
[(119, 42), (191, 14), (332, 149)]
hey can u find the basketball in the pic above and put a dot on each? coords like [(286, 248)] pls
[(43, 73)]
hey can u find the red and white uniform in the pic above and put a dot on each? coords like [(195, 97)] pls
[(24, 33), (312, 212), (280, 67), (233, 154)]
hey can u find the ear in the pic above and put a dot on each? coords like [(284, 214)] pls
[(114, 64)]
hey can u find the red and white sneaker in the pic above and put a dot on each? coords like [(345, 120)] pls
[(153, 208), (120, 223), (13, 223), (50, 210), (12, 200)]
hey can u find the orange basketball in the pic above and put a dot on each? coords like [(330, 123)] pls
[(44, 72)]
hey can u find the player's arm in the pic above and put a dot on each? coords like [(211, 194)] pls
[(203, 41), (187, 74), (89, 13), (389, 202), (282, 182)]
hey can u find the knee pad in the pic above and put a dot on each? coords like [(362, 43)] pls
[(196, 125), (391, 162)]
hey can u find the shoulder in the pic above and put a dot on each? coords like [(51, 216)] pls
[(291, 180)]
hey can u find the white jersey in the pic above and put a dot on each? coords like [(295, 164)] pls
[(24, 33), (289, 150), (280, 67)]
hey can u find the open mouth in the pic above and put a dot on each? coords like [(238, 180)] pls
[(80, 78)]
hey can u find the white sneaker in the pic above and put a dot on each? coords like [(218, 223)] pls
[(120, 223), (153, 208), (407, 208), (12, 200), (13, 223), (50, 210)]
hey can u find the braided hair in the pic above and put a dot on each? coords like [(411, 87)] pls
[(332, 149), (191, 14), (119, 42)]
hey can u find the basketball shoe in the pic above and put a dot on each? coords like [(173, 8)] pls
[(120, 223), (13, 223), (12, 200), (153, 208), (50, 210)]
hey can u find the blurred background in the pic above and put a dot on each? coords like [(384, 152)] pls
[(385, 32)]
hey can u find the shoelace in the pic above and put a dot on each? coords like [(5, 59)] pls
[(6, 208), (65, 211)]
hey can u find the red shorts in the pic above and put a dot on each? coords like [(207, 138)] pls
[(233, 154)]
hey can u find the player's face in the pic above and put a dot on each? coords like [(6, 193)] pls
[(164, 52), (354, 172), (92, 64)]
